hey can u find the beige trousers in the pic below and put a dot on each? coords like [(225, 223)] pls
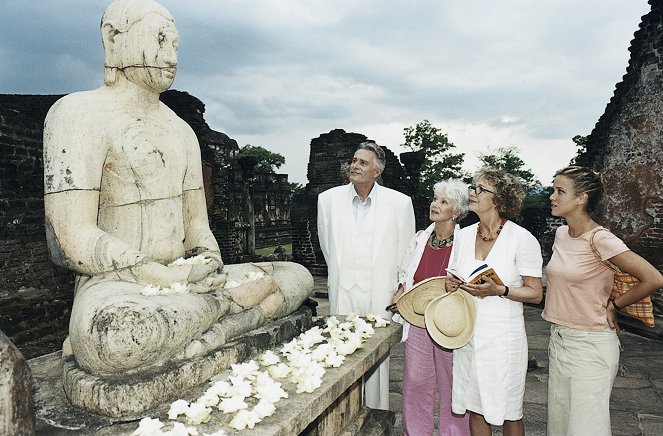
[(582, 367)]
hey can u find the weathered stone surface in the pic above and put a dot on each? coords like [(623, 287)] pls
[(15, 391), (125, 209), (128, 397), (625, 146)]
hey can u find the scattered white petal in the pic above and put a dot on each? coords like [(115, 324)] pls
[(148, 427), (177, 408), (232, 404), (244, 419), (180, 429), (280, 370), (264, 409), (198, 413), (219, 388), (269, 358)]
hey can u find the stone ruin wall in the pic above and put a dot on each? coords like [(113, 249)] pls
[(626, 146), (35, 295)]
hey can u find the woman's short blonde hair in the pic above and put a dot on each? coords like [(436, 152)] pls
[(509, 192)]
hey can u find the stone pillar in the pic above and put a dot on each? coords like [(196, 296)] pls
[(248, 165), (16, 417)]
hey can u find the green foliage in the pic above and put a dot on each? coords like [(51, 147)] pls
[(268, 162), (507, 159), (581, 142), (439, 163)]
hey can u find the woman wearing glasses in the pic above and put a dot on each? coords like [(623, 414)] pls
[(489, 372)]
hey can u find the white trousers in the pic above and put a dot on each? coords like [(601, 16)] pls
[(582, 367), (375, 383)]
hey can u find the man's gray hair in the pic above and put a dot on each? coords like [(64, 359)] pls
[(381, 161), (457, 190)]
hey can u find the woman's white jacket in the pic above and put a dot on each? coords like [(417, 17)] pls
[(409, 265)]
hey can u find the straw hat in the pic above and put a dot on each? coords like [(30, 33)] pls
[(413, 303), (450, 319)]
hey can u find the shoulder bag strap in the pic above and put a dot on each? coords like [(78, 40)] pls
[(607, 263)]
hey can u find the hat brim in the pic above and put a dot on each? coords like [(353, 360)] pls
[(451, 342), (425, 290)]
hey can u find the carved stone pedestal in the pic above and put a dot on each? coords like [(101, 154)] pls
[(332, 409)]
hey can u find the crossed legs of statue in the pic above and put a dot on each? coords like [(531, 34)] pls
[(115, 329)]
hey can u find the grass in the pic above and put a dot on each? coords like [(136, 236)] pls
[(269, 250)]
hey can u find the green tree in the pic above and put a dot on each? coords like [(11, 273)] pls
[(439, 163), (268, 161), (507, 159), (580, 142)]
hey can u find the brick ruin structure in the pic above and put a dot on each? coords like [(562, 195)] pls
[(626, 146), (35, 295)]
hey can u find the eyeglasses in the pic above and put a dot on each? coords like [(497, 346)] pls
[(478, 189)]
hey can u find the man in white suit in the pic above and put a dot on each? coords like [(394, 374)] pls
[(364, 230)]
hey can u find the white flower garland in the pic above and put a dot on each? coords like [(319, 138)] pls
[(307, 357)]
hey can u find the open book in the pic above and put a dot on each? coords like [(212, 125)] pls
[(476, 276)]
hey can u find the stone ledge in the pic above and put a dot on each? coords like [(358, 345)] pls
[(55, 415)]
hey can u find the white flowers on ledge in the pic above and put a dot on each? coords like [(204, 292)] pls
[(303, 360)]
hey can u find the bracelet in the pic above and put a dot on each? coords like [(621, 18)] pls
[(612, 301), (506, 292)]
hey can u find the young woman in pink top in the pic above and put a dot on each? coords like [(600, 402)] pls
[(584, 349)]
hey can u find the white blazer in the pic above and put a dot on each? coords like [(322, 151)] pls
[(393, 230)]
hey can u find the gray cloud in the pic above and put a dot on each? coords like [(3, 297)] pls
[(278, 73)]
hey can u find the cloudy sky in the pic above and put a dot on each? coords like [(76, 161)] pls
[(277, 73)]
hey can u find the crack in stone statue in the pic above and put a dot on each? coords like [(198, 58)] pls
[(124, 198)]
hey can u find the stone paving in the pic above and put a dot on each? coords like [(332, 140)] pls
[(637, 397)]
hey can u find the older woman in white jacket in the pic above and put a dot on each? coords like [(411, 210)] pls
[(427, 366)]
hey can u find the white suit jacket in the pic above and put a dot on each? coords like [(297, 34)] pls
[(393, 230)]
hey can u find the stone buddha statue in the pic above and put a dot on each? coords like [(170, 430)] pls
[(125, 209)]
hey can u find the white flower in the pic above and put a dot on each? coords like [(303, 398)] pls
[(356, 340), (264, 409), (298, 360), (290, 347), (180, 429), (219, 388), (320, 353), (178, 288), (209, 399), (245, 370), (244, 419), (270, 391), (148, 427), (334, 360), (351, 316), (311, 337), (345, 348), (195, 260), (198, 413), (308, 384), (280, 370), (240, 387), (232, 404), (371, 316), (269, 358), (177, 408), (381, 322)]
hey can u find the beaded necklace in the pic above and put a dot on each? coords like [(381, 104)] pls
[(440, 243), (491, 237)]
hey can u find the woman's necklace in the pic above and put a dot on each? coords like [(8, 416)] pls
[(491, 237), (440, 243)]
